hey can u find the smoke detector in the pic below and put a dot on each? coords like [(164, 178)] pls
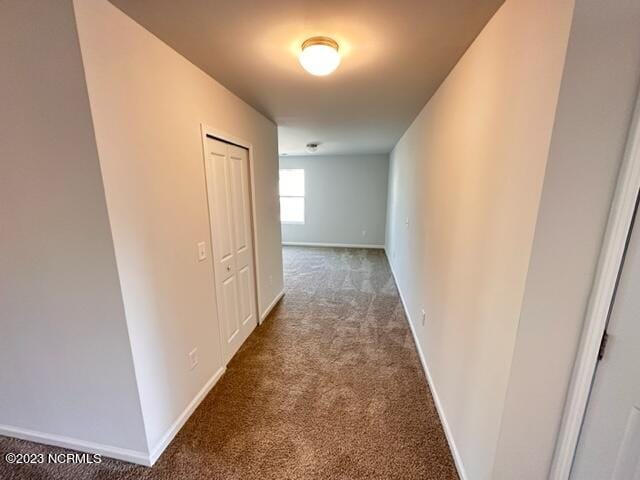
[(312, 147)]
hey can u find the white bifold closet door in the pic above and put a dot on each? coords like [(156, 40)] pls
[(227, 170)]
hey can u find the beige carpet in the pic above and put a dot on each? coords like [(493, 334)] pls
[(330, 387)]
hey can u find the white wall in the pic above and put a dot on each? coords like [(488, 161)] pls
[(66, 370), (599, 89), (467, 176), (147, 104), (344, 196)]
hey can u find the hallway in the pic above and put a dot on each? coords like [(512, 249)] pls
[(330, 387)]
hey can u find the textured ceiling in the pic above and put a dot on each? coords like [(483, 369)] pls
[(395, 55)]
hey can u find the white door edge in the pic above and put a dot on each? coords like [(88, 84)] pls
[(609, 264)]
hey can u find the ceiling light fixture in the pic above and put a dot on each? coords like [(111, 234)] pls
[(320, 56), (312, 147)]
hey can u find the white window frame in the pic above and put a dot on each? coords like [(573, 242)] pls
[(304, 214)]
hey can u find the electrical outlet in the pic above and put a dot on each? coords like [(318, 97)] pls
[(364, 233), (424, 317), (202, 251), (193, 358), (270, 279), (406, 222)]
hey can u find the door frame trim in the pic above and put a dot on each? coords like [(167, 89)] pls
[(600, 301), (228, 138)]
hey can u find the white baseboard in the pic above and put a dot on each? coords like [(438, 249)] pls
[(184, 416), (133, 456), (271, 306), (457, 458), (340, 245)]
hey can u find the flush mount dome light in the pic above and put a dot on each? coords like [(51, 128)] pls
[(320, 56), (312, 147)]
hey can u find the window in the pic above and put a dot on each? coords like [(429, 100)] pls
[(292, 196)]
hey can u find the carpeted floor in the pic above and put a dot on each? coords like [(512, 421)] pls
[(329, 387)]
